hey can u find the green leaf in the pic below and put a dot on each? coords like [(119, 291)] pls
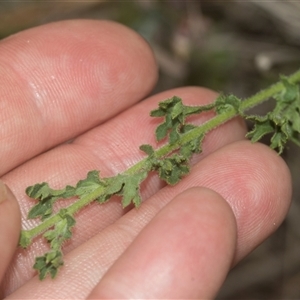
[(148, 149), (161, 131), (174, 136), (195, 146), (278, 141), (115, 185), (283, 121), (53, 260), (43, 209), (48, 264), (177, 110), (131, 189), (175, 113), (262, 127), (173, 168), (224, 103), (291, 91), (157, 112), (187, 127), (42, 191), (128, 187), (46, 197), (164, 107), (61, 231), (90, 184)]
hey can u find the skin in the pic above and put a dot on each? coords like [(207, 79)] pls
[(82, 82)]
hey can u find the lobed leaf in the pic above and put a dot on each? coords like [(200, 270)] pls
[(48, 264), (283, 121), (61, 231), (89, 184), (161, 131), (148, 149), (46, 197), (225, 102), (175, 113), (262, 127), (172, 169), (131, 189)]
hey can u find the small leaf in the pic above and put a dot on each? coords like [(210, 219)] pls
[(187, 127), (161, 131), (196, 145), (42, 191), (115, 185), (173, 168), (177, 110), (148, 149), (291, 91), (186, 150), (43, 209), (175, 113), (278, 141), (223, 103), (131, 189), (48, 264), (157, 113), (61, 231), (88, 185), (46, 197), (262, 127), (174, 136)]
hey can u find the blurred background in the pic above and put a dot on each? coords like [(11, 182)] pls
[(236, 47)]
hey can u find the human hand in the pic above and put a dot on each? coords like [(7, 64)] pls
[(81, 81)]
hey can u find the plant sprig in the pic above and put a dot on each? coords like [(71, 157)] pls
[(170, 161)]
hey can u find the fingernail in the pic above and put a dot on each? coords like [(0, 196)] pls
[(3, 191)]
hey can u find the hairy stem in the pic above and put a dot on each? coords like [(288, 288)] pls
[(164, 150)]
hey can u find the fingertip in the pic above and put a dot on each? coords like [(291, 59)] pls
[(10, 224), (184, 252), (256, 182), (64, 78)]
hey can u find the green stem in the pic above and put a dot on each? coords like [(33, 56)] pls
[(163, 151), (72, 209), (267, 93)]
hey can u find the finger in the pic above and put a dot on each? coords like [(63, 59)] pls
[(60, 79), (243, 173), (184, 252), (111, 148), (256, 182), (10, 226)]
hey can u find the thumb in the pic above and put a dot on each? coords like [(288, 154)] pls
[(10, 225), (184, 252)]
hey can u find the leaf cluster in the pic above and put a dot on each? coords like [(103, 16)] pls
[(171, 162), (175, 114), (226, 102), (46, 197), (126, 186), (50, 262), (283, 122)]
